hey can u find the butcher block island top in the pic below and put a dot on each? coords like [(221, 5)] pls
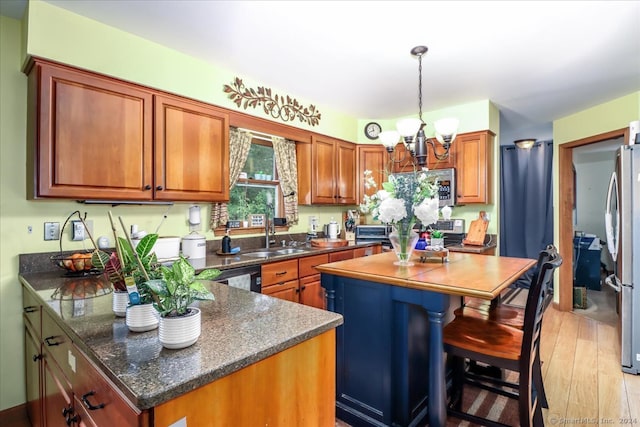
[(465, 274), (241, 330)]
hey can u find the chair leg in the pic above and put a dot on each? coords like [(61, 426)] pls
[(525, 401), (457, 382), (537, 381)]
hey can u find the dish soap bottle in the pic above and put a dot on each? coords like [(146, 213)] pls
[(226, 243)]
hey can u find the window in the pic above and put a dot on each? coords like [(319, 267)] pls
[(250, 194)]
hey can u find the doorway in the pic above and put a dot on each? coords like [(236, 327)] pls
[(567, 191)]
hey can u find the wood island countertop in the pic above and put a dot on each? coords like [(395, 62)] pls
[(466, 274)]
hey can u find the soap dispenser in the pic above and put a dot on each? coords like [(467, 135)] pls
[(226, 243)]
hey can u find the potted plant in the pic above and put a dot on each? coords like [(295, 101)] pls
[(437, 239), (173, 293)]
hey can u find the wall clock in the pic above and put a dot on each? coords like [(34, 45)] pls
[(372, 130)]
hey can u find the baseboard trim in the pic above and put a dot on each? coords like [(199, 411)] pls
[(16, 416)]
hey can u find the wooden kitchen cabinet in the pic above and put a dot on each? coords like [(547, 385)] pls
[(367, 251), (311, 291), (191, 151), (406, 165), (373, 157), (474, 158), (280, 280), (331, 179), (92, 137), (341, 255), (63, 387)]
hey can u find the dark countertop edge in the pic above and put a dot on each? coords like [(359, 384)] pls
[(145, 402)]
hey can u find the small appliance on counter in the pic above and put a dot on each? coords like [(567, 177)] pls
[(194, 246), (374, 233)]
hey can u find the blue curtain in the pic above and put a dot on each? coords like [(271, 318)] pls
[(526, 200)]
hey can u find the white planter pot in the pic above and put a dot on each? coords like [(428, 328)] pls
[(141, 318), (180, 332), (120, 303), (437, 242)]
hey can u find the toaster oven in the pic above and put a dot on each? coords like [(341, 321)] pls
[(374, 233)]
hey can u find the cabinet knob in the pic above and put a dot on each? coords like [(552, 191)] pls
[(147, 187), (30, 309), (66, 411), (37, 357), (159, 188), (87, 404)]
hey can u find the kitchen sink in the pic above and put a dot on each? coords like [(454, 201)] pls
[(289, 251), (259, 254)]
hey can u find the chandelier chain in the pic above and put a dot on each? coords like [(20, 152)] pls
[(420, 87)]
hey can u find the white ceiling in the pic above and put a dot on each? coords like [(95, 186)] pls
[(536, 60)]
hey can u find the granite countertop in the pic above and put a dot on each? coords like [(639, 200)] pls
[(239, 328)]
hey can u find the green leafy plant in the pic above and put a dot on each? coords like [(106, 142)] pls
[(178, 287), (123, 263), (437, 234)]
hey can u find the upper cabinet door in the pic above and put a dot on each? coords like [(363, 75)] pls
[(372, 157), (191, 151), (346, 169), (323, 170), (474, 155), (90, 137)]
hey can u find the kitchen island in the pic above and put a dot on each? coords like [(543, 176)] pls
[(389, 353), (258, 361)]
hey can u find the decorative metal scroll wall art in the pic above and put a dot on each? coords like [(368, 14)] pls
[(284, 107)]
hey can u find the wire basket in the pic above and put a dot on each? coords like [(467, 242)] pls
[(77, 263)]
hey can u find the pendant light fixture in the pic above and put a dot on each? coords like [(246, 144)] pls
[(412, 130)]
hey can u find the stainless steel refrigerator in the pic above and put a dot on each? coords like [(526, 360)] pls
[(622, 224)]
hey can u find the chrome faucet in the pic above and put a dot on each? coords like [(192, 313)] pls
[(267, 226)]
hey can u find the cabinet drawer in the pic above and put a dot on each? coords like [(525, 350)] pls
[(97, 400), (306, 265), (286, 290), (32, 311), (279, 272), (57, 346), (341, 256)]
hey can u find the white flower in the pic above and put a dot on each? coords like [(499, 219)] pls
[(391, 210), (427, 211), (382, 195)]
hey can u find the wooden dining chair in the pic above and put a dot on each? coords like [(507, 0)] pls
[(505, 347), (510, 315)]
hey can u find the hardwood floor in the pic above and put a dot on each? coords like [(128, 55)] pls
[(582, 376)]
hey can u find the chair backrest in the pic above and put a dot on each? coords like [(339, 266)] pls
[(535, 305)]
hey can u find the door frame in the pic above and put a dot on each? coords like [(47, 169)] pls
[(566, 187)]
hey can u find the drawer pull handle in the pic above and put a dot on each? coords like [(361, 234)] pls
[(37, 357), (281, 273), (85, 400), (30, 309), (51, 344)]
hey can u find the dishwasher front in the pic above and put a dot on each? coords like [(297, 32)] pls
[(247, 277)]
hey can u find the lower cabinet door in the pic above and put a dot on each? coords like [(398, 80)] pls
[(58, 406), (311, 292), (97, 400), (33, 365), (286, 290)]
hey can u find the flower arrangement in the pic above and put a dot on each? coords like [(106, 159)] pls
[(403, 199)]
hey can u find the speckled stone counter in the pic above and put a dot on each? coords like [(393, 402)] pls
[(239, 328)]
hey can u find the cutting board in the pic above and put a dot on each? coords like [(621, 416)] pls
[(329, 243), (477, 231)]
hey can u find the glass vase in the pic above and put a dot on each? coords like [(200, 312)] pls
[(403, 239)]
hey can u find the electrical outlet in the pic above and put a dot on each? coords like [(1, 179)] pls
[(51, 231), (78, 231)]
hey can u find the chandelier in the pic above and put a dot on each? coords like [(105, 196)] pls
[(412, 130)]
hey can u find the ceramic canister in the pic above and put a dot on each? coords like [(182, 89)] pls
[(194, 246)]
